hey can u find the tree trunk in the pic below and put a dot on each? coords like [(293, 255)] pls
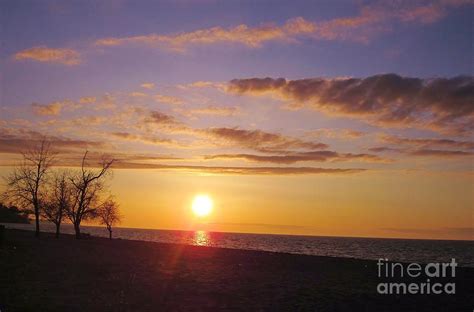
[(78, 230), (57, 229), (110, 234), (37, 230)]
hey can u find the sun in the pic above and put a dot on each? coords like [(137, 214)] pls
[(202, 205)]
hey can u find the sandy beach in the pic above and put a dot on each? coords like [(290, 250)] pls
[(97, 274)]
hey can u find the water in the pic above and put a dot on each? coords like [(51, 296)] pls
[(406, 250)]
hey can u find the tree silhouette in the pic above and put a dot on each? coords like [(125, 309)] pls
[(59, 199), (25, 185), (109, 214), (88, 186)]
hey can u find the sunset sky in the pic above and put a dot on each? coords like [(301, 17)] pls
[(298, 117)]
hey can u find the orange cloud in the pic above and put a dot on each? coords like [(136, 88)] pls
[(252, 37), (148, 85), (168, 99), (370, 21), (49, 55), (145, 139), (51, 109), (204, 84), (210, 111), (87, 100), (55, 108), (346, 134), (243, 34), (137, 94)]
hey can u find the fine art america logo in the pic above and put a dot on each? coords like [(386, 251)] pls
[(414, 278)]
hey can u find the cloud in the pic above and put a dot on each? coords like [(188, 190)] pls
[(55, 108), (153, 121), (96, 157), (168, 99), (51, 109), (249, 36), (210, 111), (370, 21), (214, 110), (141, 138), (424, 147), (148, 85), (422, 152), (87, 121), (106, 102), (204, 84), (346, 134), (49, 55), (141, 157), (387, 100), (87, 100), (422, 142), (234, 137), (19, 140), (440, 153), (240, 170), (137, 94), (290, 158), (381, 149), (277, 148), (219, 86), (425, 12), (252, 37), (260, 140), (160, 118)]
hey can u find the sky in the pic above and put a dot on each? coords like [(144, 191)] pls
[(339, 118)]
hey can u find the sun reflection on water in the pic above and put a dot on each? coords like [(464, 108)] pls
[(201, 238)]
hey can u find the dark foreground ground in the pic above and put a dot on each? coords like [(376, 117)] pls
[(97, 274)]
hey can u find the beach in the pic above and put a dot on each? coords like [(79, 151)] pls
[(98, 274)]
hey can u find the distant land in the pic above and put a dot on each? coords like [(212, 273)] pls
[(12, 215)]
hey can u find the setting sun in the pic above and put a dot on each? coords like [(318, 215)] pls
[(202, 205)]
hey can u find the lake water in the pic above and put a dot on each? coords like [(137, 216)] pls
[(407, 250)]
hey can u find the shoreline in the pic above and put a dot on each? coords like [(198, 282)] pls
[(98, 274), (399, 250)]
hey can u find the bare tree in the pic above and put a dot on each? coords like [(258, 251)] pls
[(88, 186), (109, 214), (59, 199), (24, 186)]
